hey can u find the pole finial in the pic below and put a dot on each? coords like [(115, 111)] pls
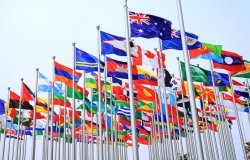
[(178, 58), (155, 49), (54, 57), (21, 79), (74, 44), (8, 88), (98, 27), (37, 69)]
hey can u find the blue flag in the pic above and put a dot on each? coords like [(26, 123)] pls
[(112, 44), (220, 79), (87, 62), (149, 26), (2, 108), (175, 41)]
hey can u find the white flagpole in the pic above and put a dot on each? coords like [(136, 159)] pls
[(19, 119), (10, 139), (6, 116), (83, 117), (237, 119), (64, 123), (190, 83), (52, 110), (73, 104), (47, 126), (131, 88), (13, 147), (99, 94), (34, 119)]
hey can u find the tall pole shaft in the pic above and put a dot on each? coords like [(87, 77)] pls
[(131, 89), (99, 94), (73, 105), (190, 83), (34, 119)]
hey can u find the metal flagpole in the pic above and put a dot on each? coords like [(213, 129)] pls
[(6, 113), (34, 119), (13, 147), (73, 105), (91, 125), (207, 150), (64, 123), (47, 126), (184, 111), (111, 132), (99, 93), (190, 83), (19, 118), (165, 101), (52, 110), (25, 143), (43, 153), (130, 80), (56, 139), (248, 89), (106, 112), (229, 134), (238, 120), (10, 139), (83, 117)]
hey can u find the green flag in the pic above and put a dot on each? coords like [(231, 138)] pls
[(198, 74), (78, 93), (246, 72)]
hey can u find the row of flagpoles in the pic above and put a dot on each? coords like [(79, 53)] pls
[(106, 130)]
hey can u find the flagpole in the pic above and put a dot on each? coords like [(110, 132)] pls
[(91, 125), (34, 119), (6, 113), (190, 83), (111, 132), (83, 117), (47, 126), (19, 118), (73, 104), (237, 119), (229, 134), (106, 112), (64, 122), (10, 139), (130, 80), (247, 85), (13, 147), (184, 111)]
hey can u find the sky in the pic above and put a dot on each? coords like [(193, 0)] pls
[(31, 32)]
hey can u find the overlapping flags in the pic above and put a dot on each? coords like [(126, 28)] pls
[(245, 73)]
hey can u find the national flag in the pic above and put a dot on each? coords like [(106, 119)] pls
[(145, 106), (240, 89), (27, 94), (228, 102), (14, 102), (175, 41), (145, 93), (148, 58), (90, 83), (65, 74), (198, 74), (59, 100), (117, 86), (232, 62), (207, 51), (44, 85), (245, 73), (2, 107), (220, 79), (143, 76), (122, 110), (78, 92), (87, 62), (117, 68), (149, 26)]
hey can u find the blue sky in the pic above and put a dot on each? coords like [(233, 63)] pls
[(34, 31)]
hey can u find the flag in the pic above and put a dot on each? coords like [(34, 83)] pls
[(87, 62), (27, 94), (65, 74), (245, 73), (198, 74), (207, 51), (240, 89), (175, 41), (145, 93), (59, 100), (117, 86), (123, 111), (232, 62), (2, 107), (228, 102), (90, 83), (149, 26), (112, 44), (78, 92), (143, 76), (14, 102), (44, 85), (117, 68), (148, 58), (220, 79)]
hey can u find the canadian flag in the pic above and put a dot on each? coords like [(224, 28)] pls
[(148, 58)]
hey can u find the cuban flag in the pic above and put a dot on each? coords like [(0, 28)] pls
[(232, 62), (149, 26)]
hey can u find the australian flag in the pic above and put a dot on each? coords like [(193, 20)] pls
[(149, 26)]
